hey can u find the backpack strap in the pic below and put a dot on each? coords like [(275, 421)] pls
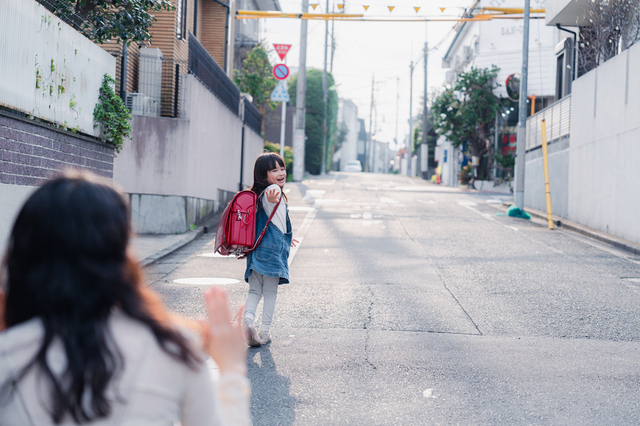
[(264, 231)]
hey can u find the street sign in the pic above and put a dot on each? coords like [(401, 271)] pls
[(281, 71), (282, 50), (280, 93)]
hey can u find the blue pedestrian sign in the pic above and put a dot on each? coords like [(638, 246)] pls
[(280, 93)]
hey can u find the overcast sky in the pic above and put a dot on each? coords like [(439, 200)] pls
[(374, 48)]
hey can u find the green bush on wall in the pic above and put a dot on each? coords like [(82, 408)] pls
[(112, 115)]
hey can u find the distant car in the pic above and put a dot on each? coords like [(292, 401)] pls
[(353, 166)]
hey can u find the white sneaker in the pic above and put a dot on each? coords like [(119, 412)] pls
[(265, 337), (250, 333)]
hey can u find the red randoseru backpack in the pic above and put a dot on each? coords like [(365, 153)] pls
[(236, 232)]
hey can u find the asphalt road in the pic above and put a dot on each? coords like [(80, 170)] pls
[(413, 304)]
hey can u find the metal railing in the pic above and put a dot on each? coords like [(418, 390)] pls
[(252, 117), (558, 120), (203, 66)]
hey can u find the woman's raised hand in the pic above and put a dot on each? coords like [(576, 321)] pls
[(223, 338), (272, 196)]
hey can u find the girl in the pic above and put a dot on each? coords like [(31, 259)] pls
[(267, 266), (84, 341)]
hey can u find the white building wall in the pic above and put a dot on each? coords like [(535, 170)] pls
[(348, 114), (499, 42)]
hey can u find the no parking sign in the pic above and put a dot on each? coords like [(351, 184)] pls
[(281, 71)]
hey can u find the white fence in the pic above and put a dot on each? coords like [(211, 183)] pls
[(557, 118), (47, 69)]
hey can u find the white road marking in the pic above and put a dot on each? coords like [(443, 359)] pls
[(494, 201), (304, 228), (388, 200), (428, 393), (206, 281), (212, 254), (466, 203), (300, 209), (426, 201)]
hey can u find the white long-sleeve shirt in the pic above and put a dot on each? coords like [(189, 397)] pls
[(280, 218), (157, 389)]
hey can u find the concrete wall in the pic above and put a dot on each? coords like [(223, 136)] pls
[(534, 187), (49, 70), (605, 132), (180, 172)]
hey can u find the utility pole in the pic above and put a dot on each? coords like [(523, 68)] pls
[(410, 144), (522, 119), (333, 40), (325, 97), (370, 141), (425, 109), (301, 110)]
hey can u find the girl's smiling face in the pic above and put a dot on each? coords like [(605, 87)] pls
[(277, 176)]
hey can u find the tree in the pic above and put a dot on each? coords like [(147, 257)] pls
[(314, 118), (257, 79), (102, 20), (614, 26), (465, 112)]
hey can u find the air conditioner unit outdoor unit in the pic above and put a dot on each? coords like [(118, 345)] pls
[(137, 103), (150, 79)]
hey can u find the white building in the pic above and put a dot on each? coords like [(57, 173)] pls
[(348, 115), (498, 42)]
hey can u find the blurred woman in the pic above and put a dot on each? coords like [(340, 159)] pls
[(86, 342)]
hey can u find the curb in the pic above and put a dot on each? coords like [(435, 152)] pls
[(587, 232), (188, 238)]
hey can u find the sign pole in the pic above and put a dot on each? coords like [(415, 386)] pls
[(283, 120)]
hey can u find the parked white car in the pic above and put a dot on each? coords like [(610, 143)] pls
[(353, 166)]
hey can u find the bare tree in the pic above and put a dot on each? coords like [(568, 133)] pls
[(614, 25)]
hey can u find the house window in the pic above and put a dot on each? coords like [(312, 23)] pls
[(181, 21)]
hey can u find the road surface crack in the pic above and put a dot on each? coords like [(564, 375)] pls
[(366, 327)]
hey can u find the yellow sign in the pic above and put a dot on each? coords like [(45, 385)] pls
[(314, 6), (391, 8), (442, 9), (340, 6), (366, 7), (417, 9)]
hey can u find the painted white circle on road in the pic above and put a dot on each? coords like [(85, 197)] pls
[(215, 254), (206, 281)]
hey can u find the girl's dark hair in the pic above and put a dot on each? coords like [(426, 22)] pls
[(264, 163), (67, 263)]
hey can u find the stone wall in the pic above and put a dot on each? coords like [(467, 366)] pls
[(30, 152)]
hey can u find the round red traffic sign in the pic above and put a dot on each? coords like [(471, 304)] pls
[(281, 71)]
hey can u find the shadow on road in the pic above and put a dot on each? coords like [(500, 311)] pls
[(271, 403)]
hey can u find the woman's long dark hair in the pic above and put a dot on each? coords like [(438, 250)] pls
[(264, 163), (67, 263)]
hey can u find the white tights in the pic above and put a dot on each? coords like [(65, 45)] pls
[(261, 285)]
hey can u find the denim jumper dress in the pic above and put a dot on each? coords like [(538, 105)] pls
[(271, 257)]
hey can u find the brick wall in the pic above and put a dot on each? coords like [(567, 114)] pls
[(31, 152)]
